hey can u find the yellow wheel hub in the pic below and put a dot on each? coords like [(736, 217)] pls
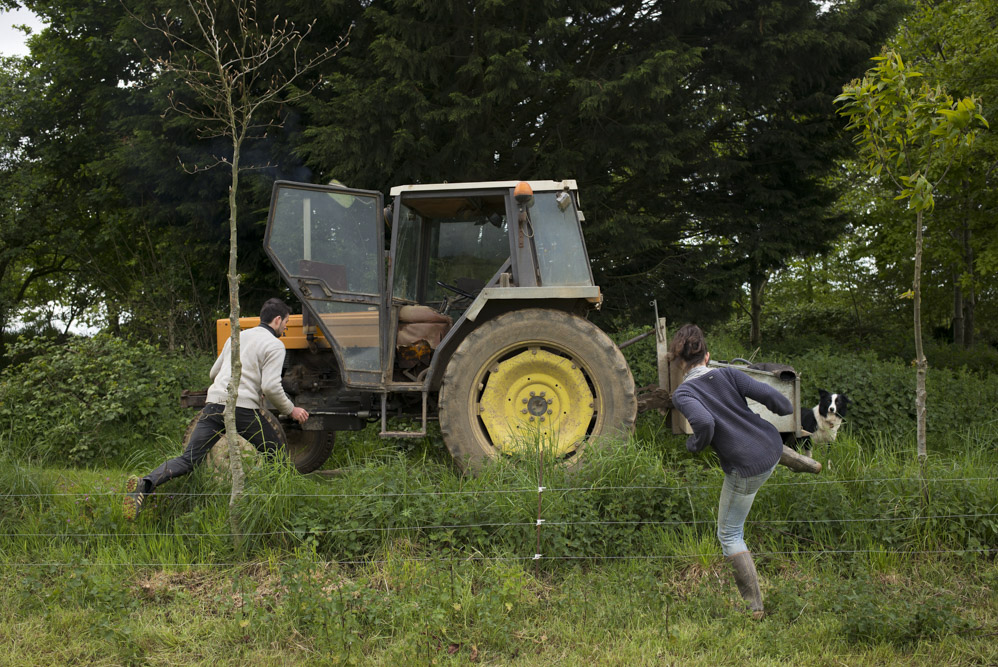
[(536, 395)]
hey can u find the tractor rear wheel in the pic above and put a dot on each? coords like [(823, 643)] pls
[(308, 450), (534, 377)]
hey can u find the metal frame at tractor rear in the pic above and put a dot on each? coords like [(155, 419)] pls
[(670, 375)]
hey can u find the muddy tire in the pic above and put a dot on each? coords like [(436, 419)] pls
[(534, 375), (308, 450)]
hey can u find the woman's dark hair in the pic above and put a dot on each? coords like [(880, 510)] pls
[(274, 308), (688, 345)]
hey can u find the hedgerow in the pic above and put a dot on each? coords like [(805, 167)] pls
[(93, 398)]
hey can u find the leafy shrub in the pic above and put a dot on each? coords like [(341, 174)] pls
[(93, 398), (979, 359), (866, 618)]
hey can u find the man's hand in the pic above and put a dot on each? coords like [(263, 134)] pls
[(300, 415)]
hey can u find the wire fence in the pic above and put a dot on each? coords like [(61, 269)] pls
[(539, 523), (534, 558), (532, 489), (508, 524)]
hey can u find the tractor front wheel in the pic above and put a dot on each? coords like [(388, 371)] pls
[(308, 450), (534, 378)]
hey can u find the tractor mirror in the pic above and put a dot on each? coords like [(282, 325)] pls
[(564, 200)]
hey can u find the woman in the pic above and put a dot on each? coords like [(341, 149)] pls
[(749, 447)]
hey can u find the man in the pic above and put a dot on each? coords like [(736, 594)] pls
[(262, 355)]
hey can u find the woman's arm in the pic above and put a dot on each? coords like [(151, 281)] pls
[(699, 418), (762, 392)]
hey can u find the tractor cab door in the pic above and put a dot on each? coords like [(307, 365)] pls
[(328, 244)]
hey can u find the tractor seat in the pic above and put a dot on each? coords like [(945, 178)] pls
[(418, 323)]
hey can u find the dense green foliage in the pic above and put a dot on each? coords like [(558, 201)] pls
[(951, 44), (701, 135), (93, 399), (871, 268), (107, 399)]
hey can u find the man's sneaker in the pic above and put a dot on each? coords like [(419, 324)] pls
[(132, 504)]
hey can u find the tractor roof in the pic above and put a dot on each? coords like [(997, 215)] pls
[(537, 186)]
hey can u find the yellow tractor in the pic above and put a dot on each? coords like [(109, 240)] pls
[(476, 316)]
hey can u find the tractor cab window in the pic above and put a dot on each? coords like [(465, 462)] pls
[(460, 241)]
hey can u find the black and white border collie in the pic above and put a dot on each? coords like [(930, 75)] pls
[(823, 420)]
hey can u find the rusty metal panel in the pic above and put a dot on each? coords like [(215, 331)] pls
[(787, 383)]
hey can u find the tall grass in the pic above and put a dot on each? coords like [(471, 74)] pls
[(648, 499)]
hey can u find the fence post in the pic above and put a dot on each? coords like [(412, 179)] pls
[(540, 495)]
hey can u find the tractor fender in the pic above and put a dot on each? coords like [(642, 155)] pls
[(495, 301)]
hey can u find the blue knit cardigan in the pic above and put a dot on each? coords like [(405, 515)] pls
[(714, 404)]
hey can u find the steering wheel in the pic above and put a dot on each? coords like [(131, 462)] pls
[(456, 290)]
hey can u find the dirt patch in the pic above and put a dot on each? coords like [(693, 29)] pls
[(161, 584), (205, 586)]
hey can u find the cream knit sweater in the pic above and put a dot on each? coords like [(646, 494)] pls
[(262, 355)]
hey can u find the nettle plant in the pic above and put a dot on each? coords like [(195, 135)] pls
[(91, 398), (910, 134)]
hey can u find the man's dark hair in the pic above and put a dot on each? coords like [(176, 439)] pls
[(274, 308)]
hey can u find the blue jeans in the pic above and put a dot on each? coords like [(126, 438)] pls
[(737, 494)]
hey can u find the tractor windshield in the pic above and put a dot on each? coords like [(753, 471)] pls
[(561, 252)]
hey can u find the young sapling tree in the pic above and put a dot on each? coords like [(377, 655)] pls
[(910, 135), (237, 68)]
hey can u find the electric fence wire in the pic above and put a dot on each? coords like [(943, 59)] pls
[(393, 494), (511, 524), (535, 557), (539, 490)]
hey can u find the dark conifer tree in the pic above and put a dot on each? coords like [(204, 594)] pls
[(701, 133)]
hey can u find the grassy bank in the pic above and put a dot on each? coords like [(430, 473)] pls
[(398, 559), (399, 611)]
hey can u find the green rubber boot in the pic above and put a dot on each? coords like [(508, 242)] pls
[(748, 582)]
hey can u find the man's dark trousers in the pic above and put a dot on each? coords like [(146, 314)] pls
[(210, 428)]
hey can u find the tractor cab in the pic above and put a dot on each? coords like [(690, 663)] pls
[(456, 251)]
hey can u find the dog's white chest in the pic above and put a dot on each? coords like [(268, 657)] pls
[(828, 428)]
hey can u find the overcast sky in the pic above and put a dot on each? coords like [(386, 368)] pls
[(11, 40)]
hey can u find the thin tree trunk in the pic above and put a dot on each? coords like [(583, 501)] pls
[(3, 339), (921, 364), (957, 309), (231, 432), (756, 287), (971, 298)]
